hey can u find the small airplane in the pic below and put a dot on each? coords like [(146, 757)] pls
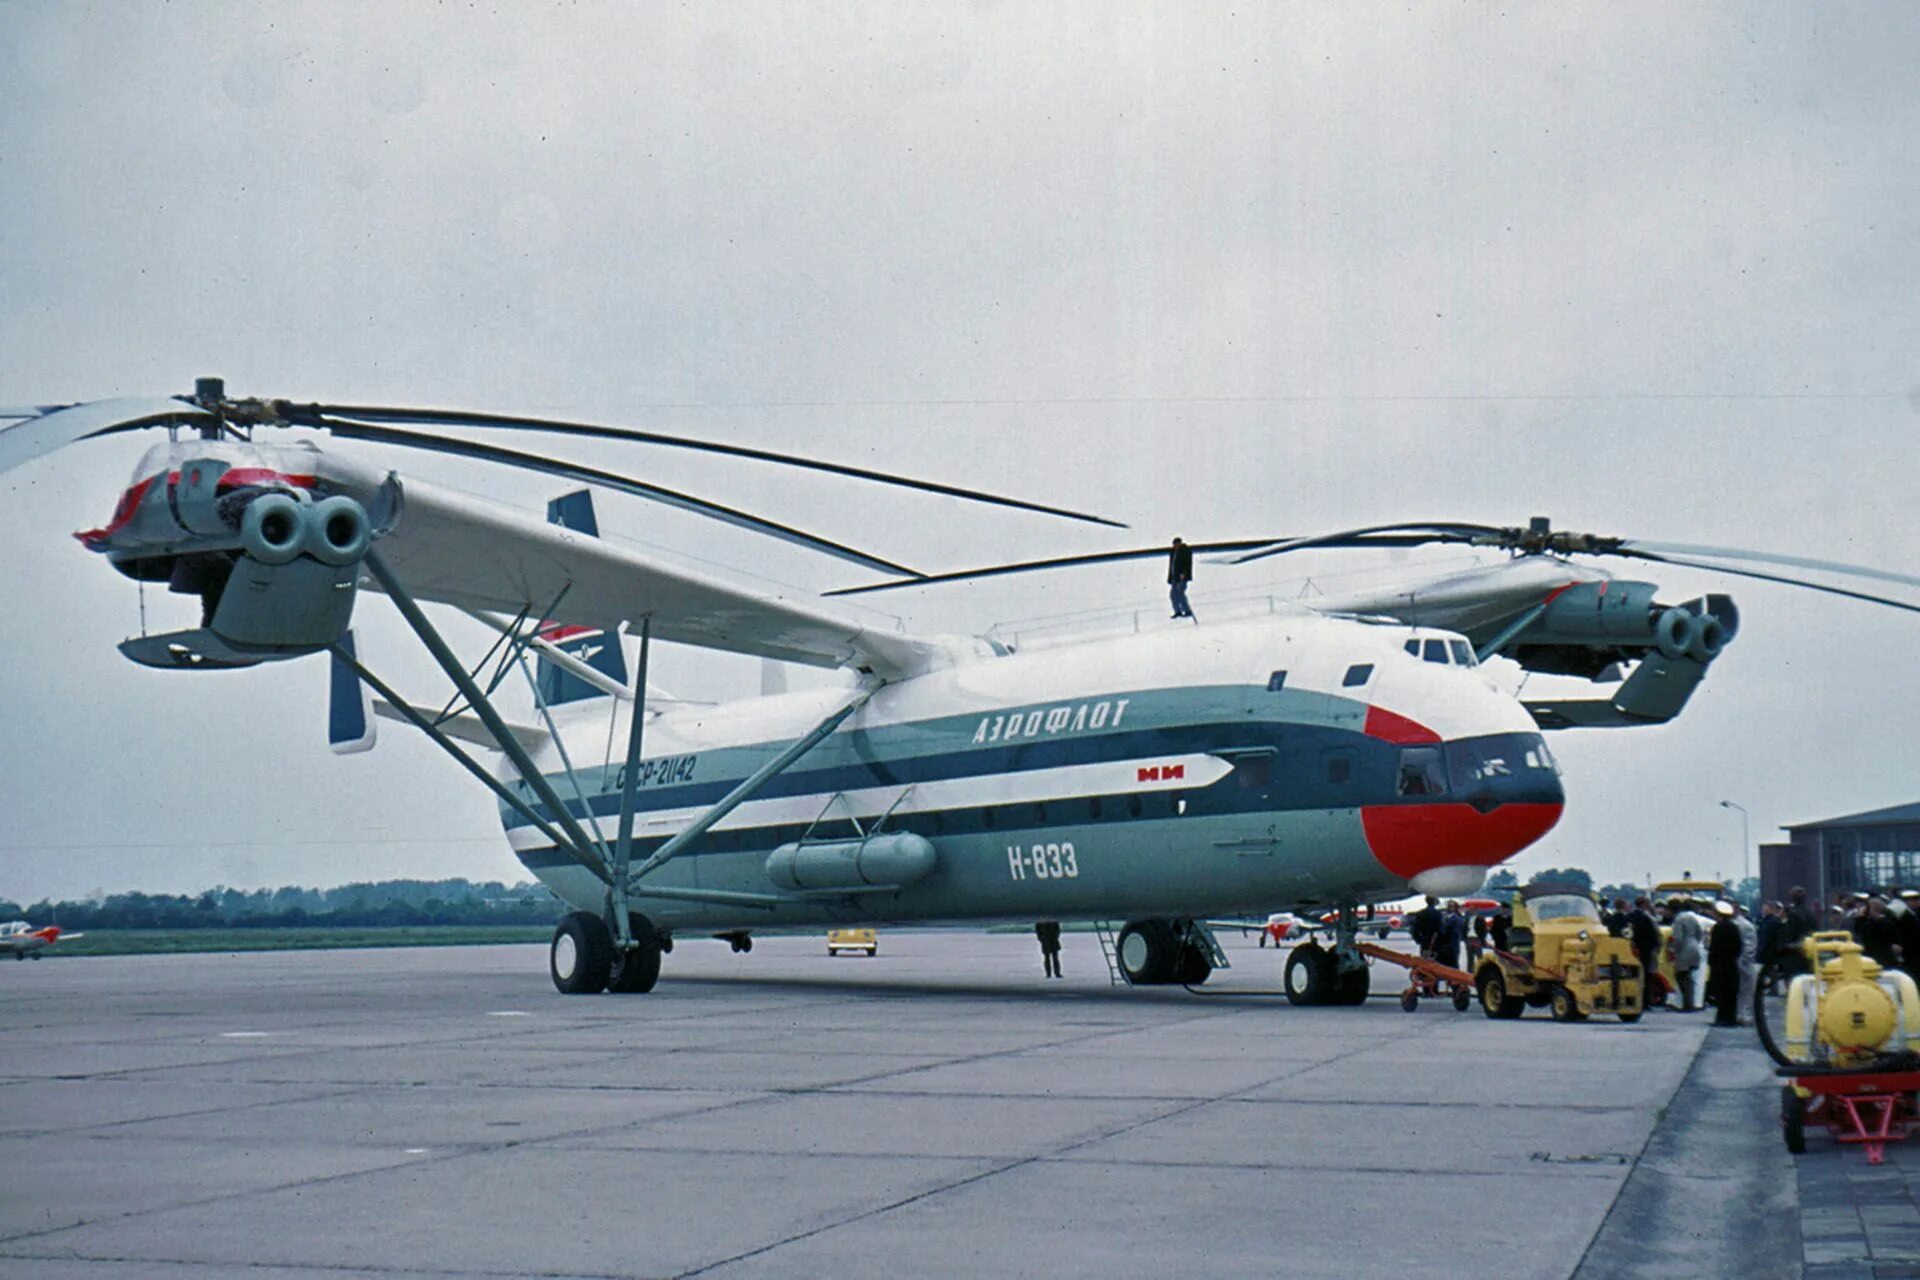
[(22, 941), (1352, 752)]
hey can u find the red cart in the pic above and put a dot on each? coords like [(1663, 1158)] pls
[(1425, 977), (1871, 1108)]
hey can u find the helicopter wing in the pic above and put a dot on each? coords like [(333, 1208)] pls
[(468, 551)]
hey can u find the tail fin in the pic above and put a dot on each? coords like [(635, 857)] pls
[(598, 648)]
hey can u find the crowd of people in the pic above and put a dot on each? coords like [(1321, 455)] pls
[(1736, 951)]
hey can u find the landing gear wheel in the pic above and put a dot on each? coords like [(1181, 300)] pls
[(1309, 975), (1148, 952), (634, 972), (580, 957), (1352, 985), (1494, 1000), (1461, 999), (1793, 1119), (1195, 965), (1409, 1001), (1563, 1006)]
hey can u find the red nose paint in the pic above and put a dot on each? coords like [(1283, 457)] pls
[(1390, 726), (1410, 838)]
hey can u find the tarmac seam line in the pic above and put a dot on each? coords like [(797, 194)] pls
[(1010, 1165)]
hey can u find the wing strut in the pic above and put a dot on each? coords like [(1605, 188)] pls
[(629, 782), (578, 845), (426, 725), (761, 776)]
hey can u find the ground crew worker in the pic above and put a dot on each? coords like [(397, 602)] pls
[(1875, 931), (1685, 949), (1500, 926), (1048, 931), (1749, 962), (1425, 926), (1179, 574), (1800, 924), (1771, 927), (1453, 935), (1723, 966), (1644, 931)]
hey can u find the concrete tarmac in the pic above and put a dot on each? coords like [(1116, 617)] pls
[(938, 1110)]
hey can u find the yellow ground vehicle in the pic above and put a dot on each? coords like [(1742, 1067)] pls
[(866, 941), (1561, 957)]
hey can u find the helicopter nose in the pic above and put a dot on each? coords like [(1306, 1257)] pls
[(1416, 842), (1446, 845)]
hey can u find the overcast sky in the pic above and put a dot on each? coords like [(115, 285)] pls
[(1648, 269)]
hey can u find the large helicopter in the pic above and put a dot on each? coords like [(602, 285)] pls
[(1332, 755)]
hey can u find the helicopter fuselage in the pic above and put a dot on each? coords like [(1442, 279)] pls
[(1195, 771)]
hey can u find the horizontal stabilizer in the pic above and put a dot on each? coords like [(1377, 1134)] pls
[(466, 727)]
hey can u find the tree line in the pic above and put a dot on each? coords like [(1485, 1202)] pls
[(367, 904)]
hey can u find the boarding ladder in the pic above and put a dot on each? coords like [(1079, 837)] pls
[(1103, 929)]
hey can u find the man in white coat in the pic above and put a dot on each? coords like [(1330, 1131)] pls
[(1687, 949), (1749, 961)]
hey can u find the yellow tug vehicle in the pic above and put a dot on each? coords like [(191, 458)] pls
[(1851, 1049), (1562, 958)]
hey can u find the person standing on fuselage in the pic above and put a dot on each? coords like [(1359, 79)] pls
[(1179, 574)]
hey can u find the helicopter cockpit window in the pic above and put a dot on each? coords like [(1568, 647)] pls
[(1422, 772), (1499, 755), (1462, 655), (1436, 651), (1357, 674), (1413, 647), (1276, 682)]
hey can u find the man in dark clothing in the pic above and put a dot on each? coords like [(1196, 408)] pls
[(1644, 932), (1048, 931), (1875, 931), (1425, 926), (1499, 927), (1799, 926), (1723, 967), (1909, 936), (1616, 919), (1453, 935), (1770, 926), (1179, 574)]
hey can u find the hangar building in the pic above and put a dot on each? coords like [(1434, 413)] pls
[(1860, 852)]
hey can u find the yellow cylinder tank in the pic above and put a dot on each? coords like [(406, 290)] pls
[(1849, 1008)]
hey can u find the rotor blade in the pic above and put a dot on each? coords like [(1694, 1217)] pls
[(624, 484), (1109, 557), (1689, 563), (1438, 532), (1766, 557), (311, 414), (25, 439)]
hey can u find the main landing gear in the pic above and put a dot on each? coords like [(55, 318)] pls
[(584, 958), (1317, 974), (1162, 952)]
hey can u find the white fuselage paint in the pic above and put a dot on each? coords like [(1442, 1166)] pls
[(1051, 694)]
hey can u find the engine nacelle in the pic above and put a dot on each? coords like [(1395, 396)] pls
[(302, 604), (899, 858), (1615, 619)]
